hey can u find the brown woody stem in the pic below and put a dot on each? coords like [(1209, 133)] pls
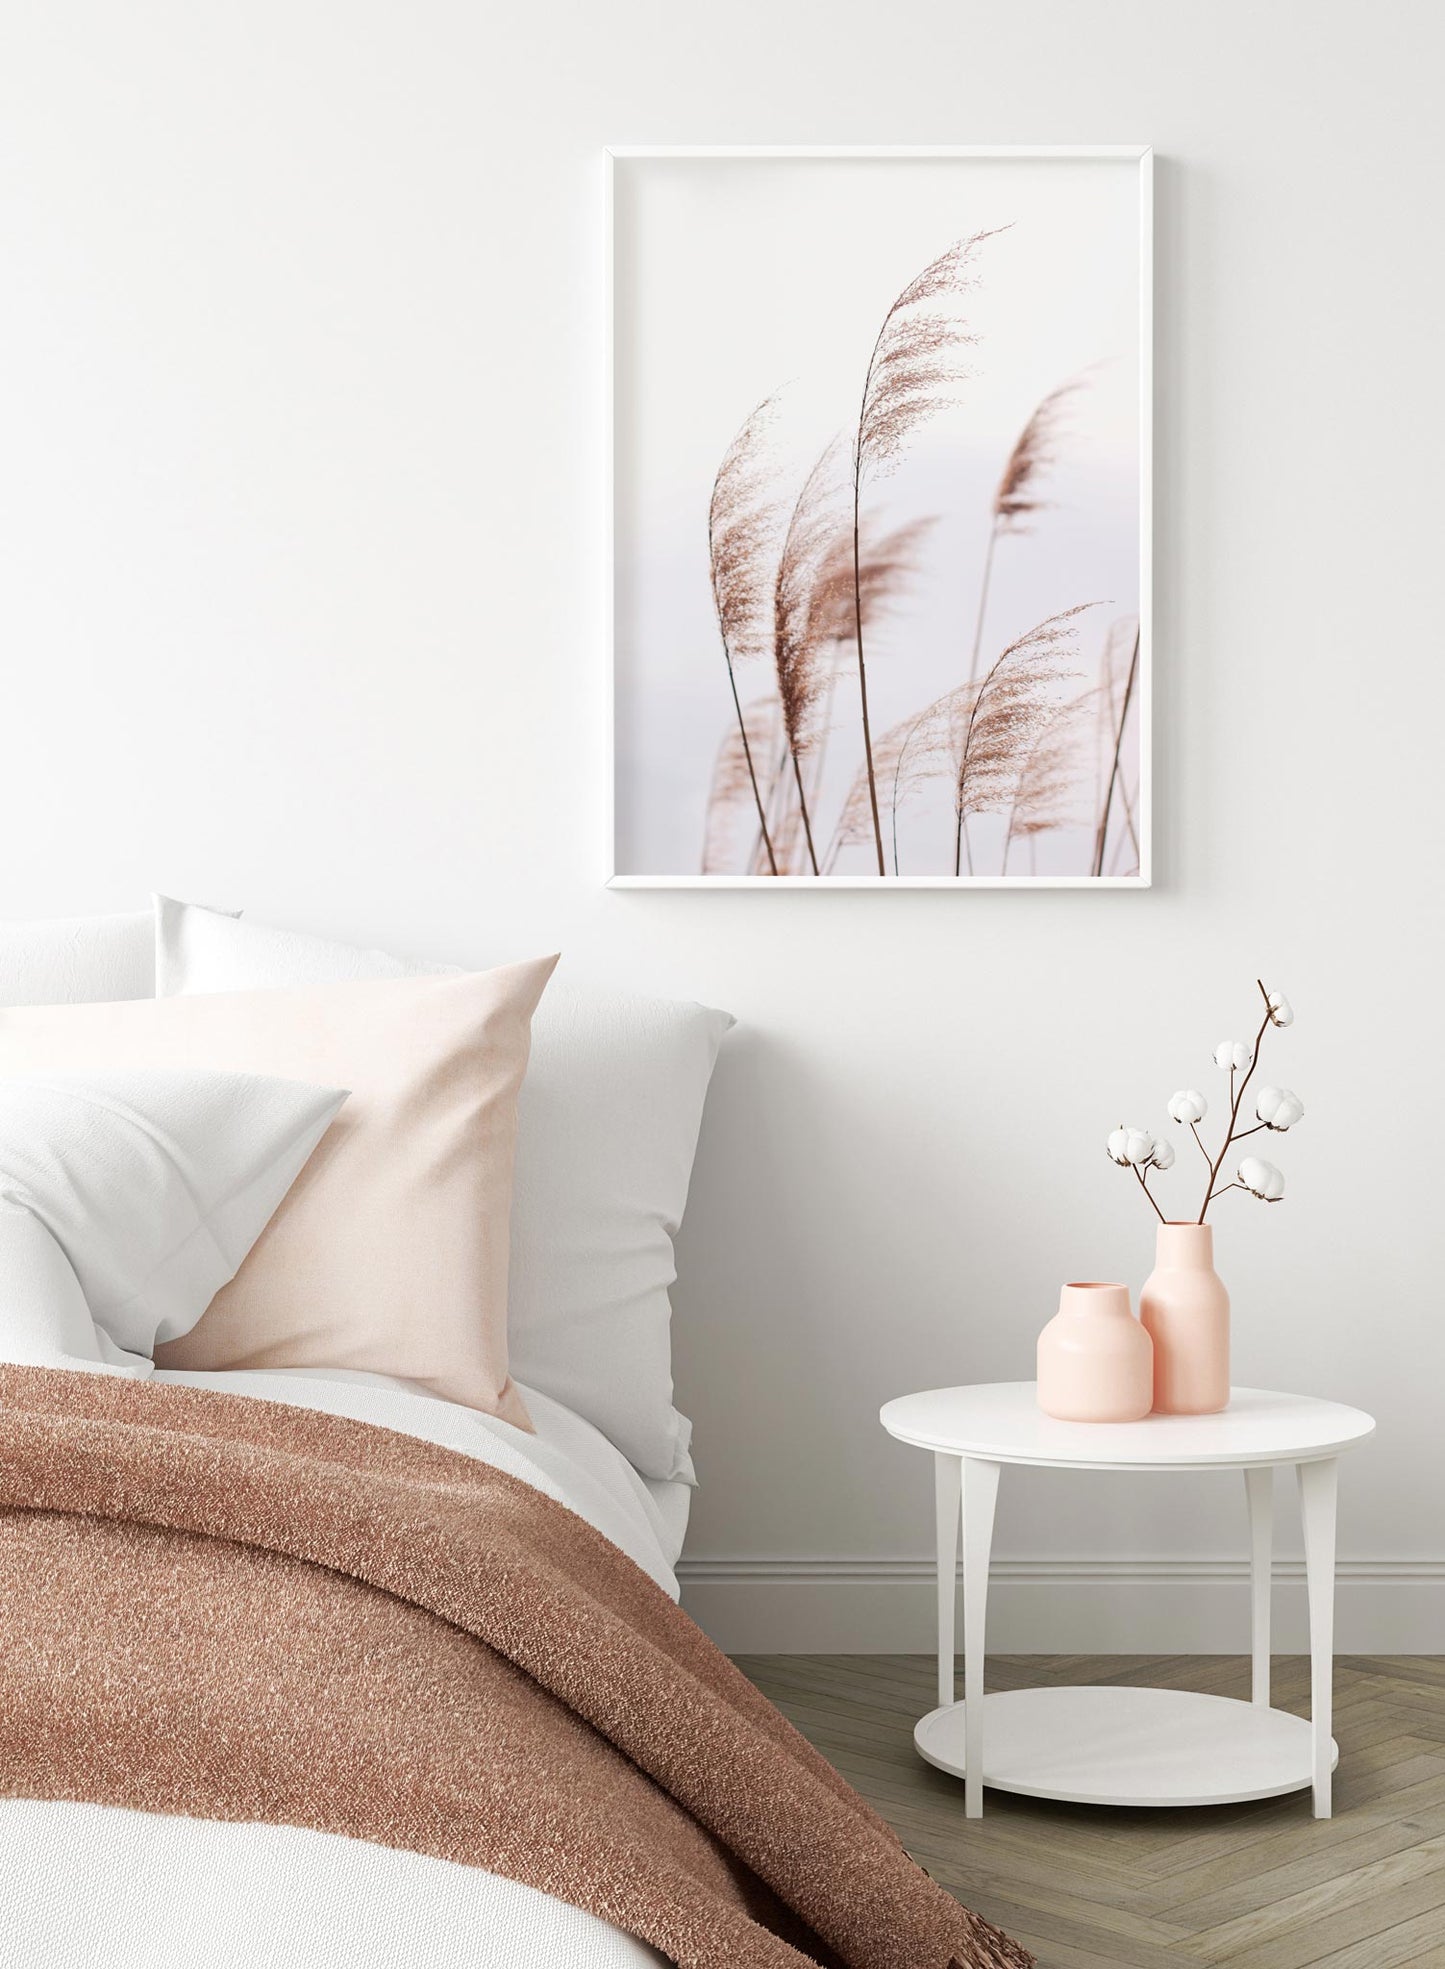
[(1234, 1109), (1149, 1193)]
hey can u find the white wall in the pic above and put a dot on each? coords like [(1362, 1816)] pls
[(299, 460)]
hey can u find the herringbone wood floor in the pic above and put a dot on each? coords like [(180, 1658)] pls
[(1260, 1886)]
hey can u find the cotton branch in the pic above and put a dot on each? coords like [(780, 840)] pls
[(1229, 1135)]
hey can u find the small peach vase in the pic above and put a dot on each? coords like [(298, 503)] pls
[(1185, 1310), (1096, 1362)]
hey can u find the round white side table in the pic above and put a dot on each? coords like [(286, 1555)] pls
[(1126, 1746)]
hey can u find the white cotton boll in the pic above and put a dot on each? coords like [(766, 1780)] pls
[(1188, 1106), (1278, 1108), (1232, 1055), (1261, 1178), (1132, 1148), (1163, 1155), (1281, 1012)]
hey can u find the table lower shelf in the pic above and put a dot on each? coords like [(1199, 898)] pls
[(1108, 1746)]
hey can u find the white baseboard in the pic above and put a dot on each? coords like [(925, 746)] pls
[(1058, 1606)]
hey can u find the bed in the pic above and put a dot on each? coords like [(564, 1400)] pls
[(341, 1486)]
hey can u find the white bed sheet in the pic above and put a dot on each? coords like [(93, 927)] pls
[(94, 1887)]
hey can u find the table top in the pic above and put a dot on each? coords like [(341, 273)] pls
[(1002, 1422)]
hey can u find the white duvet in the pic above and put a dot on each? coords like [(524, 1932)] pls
[(94, 1887)]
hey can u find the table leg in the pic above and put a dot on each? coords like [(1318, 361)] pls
[(947, 1472), (1259, 1488), (980, 1493), (1318, 1488)]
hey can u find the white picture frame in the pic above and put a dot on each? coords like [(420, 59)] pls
[(620, 874)]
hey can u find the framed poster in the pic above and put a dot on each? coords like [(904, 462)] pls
[(880, 507)]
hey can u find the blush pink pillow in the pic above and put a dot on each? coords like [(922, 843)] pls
[(389, 1253)]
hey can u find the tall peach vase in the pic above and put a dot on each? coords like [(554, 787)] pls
[(1094, 1358), (1185, 1310)]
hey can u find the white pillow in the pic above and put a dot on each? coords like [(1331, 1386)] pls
[(607, 1126), (78, 960), (128, 1199)]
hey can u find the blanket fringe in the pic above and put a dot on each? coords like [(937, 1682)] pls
[(992, 1949)]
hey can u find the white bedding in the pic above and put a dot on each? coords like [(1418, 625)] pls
[(94, 1887)]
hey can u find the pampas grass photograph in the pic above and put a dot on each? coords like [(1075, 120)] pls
[(880, 503)]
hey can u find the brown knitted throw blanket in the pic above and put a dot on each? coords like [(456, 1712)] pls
[(234, 1609)]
